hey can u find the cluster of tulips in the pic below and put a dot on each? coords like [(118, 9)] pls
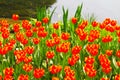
[(39, 50)]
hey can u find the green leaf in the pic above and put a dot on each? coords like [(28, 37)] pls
[(114, 62)]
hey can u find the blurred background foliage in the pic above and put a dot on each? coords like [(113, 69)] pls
[(25, 8)]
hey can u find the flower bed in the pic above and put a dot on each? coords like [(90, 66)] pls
[(73, 50)]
